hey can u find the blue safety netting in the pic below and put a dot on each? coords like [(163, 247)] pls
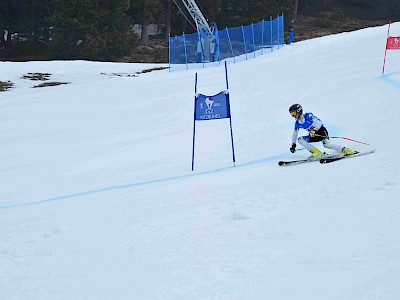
[(199, 50)]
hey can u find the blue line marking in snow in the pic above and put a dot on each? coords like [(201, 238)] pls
[(386, 78), (125, 186)]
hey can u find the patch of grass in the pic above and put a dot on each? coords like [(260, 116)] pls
[(309, 27), (151, 70), (133, 75), (323, 23), (42, 77), (119, 74), (50, 84), (337, 15), (5, 85), (37, 76)]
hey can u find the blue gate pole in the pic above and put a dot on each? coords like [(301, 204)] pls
[(244, 41), (194, 118), (184, 44), (230, 117), (230, 44), (272, 44)]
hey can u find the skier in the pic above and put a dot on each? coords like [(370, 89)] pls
[(317, 133)]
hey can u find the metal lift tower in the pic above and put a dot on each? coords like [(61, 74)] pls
[(206, 49)]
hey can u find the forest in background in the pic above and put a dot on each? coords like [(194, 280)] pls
[(104, 30)]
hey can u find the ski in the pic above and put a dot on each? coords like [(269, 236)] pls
[(302, 161), (293, 162), (333, 159)]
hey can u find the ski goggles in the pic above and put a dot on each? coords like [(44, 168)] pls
[(293, 113)]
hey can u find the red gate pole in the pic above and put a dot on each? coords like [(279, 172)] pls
[(384, 59)]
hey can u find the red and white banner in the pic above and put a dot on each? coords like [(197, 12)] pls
[(393, 43)]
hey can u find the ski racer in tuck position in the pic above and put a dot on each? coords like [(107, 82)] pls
[(317, 133)]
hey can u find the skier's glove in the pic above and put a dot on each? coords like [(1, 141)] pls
[(293, 148), (312, 133)]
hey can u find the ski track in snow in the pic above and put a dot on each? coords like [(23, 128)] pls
[(131, 185)]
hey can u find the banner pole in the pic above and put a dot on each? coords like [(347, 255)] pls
[(384, 58), (194, 119), (229, 113), (230, 125), (226, 76)]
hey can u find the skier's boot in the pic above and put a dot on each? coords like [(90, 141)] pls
[(315, 153), (347, 151)]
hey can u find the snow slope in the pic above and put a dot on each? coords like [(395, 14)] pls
[(98, 200)]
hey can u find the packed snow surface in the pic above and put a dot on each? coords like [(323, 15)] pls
[(98, 200)]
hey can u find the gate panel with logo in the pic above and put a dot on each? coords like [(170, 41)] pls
[(212, 108), (392, 43)]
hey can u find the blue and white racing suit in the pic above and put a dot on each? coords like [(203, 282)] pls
[(310, 122)]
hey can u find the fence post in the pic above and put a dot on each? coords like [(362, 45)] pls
[(230, 44), (254, 43), (169, 52), (201, 47), (272, 29), (244, 40), (184, 44), (217, 41), (277, 18), (262, 37), (283, 30)]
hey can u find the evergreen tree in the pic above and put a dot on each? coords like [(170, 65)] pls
[(376, 8), (146, 12), (8, 13), (26, 22), (168, 18), (231, 13), (87, 29)]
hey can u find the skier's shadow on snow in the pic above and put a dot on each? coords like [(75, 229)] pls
[(388, 78)]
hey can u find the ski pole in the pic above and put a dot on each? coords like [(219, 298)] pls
[(341, 137)]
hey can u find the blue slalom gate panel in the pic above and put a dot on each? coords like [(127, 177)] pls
[(212, 107)]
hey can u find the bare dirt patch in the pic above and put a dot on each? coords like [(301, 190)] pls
[(45, 84), (151, 70), (37, 76), (42, 77), (119, 74), (135, 74), (5, 85)]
